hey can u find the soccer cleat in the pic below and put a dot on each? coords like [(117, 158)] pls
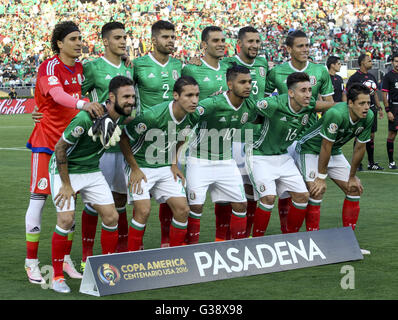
[(82, 266), (59, 285), (364, 251), (392, 165), (374, 166), (33, 271), (70, 269)]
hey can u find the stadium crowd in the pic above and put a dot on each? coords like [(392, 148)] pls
[(337, 27)]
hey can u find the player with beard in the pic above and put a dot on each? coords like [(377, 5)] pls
[(154, 76), (74, 167)]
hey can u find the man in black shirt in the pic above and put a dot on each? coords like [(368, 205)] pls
[(368, 79), (390, 100), (333, 64)]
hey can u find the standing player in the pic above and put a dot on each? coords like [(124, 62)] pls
[(364, 76), (58, 97), (334, 65), (271, 168), (154, 76), (297, 44), (97, 75), (320, 151), (152, 165), (390, 100), (74, 167), (210, 165)]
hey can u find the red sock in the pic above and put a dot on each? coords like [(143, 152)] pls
[(351, 211), (251, 210), (223, 216), (109, 238), (136, 235), (58, 250), (296, 216), (193, 229), (178, 232), (313, 215), (261, 219), (283, 209), (123, 230), (165, 216), (32, 247), (89, 228), (238, 224), (71, 233)]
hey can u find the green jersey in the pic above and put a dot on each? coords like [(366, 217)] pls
[(336, 126), (155, 81), (83, 154), (156, 132), (319, 78), (210, 80), (258, 71), (97, 75), (281, 124), (220, 125)]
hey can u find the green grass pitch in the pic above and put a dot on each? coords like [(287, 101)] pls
[(375, 275)]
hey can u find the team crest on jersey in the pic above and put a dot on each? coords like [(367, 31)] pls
[(42, 184), (359, 130), (244, 118), (200, 109), (261, 71), (77, 132), (304, 120), (262, 104), (312, 80), (140, 128), (53, 80), (175, 74), (333, 128)]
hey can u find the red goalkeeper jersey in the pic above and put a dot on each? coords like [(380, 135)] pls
[(54, 73)]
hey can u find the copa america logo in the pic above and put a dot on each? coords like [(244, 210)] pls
[(108, 274)]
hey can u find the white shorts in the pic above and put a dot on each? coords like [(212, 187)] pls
[(338, 167), (221, 177), (238, 154), (274, 175), (112, 166), (160, 184), (92, 187)]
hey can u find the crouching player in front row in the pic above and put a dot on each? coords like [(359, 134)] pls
[(74, 167), (320, 152)]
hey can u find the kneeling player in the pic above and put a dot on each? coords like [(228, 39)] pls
[(74, 167), (152, 167), (320, 152)]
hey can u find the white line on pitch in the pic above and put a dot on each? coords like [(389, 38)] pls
[(16, 149), (381, 172)]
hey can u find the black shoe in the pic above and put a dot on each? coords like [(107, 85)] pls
[(360, 167), (374, 166), (392, 165)]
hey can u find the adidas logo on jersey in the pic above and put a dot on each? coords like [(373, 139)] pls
[(206, 79), (108, 77), (151, 75), (283, 119), (222, 119), (66, 82)]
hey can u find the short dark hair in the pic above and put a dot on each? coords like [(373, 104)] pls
[(118, 82), (293, 35), (182, 82), (361, 58), (207, 30), (332, 60), (355, 90), (394, 55), (61, 30), (108, 27), (296, 77), (242, 31), (161, 25), (233, 71)]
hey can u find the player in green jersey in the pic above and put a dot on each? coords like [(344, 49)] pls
[(74, 167), (210, 165), (154, 76), (297, 44), (152, 169), (320, 153), (271, 168), (97, 76), (210, 74)]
